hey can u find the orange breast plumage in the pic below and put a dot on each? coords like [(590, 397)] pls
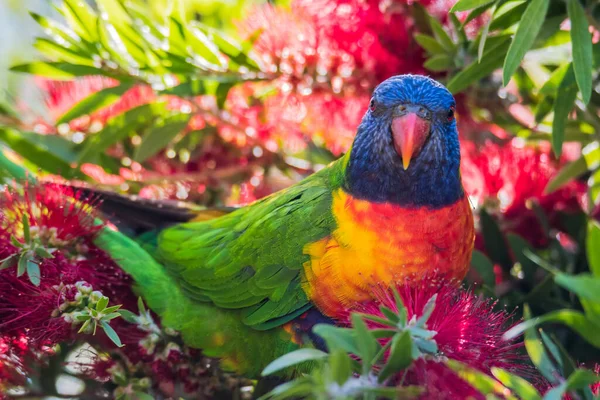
[(377, 244)]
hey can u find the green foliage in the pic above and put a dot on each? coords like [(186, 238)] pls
[(171, 55), (337, 375)]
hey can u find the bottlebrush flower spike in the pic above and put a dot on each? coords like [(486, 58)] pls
[(505, 178), (464, 327), (55, 219)]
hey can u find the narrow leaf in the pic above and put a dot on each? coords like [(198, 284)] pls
[(57, 70), (110, 332), (429, 43), (293, 358), (22, 265), (102, 303), (492, 59), (95, 101), (520, 386), (484, 267), (26, 234), (528, 29), (160, 135), (465, 5), (562, 108), (484, 34), (400, 356), (33, 272), (581, 39), (592, 245)]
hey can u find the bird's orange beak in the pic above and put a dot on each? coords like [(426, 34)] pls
[(409, 132)]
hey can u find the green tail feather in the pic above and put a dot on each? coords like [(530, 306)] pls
[(219, 333)]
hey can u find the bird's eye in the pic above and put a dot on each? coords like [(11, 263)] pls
[(451, 113), (372, 105)]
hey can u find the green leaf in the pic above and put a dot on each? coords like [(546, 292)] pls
[(537, 352), (119, 127), (111, 309), (141, 307), (8, 262), (566, 175), (584, 285), (441, 34), (42, 252), (484, 267), (562, 108), (495, 244), (36, 152), (389, 314), (492, 59), (520, 386), (365, 341), (581, 378), (141, 396), (518, 245), (571, 318), (429, 43), (581, 39), (592, 245), (33, 272), (57, 70), (480, 381), (465, 5), (587, 288), (528, 29), (102, 303), (81, 18), (110, 332), (556, 393), (202, 46), (439, 62), (160, 135), (25, 222), (95, 101), (400, 356), (22, 265), (341, 366), (294, 358), (484, 33), (58, 52), (565, 71), (393, 393), (337, 337)]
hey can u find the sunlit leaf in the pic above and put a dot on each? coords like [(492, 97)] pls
[(160, 135), (582, 48), (524, 389), (465, 5), (528, 29), (95, 101), (491, 60), (57, 70), (293, 358), (592, 246), (439, 62)]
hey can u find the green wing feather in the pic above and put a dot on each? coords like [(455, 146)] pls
[(251, 260), (219, 333)]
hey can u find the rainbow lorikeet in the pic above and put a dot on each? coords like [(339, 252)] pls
[(247, 285)]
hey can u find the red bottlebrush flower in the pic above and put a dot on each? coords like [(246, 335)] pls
[(467, 329), (56, 214), (63, 224), (504, 178)]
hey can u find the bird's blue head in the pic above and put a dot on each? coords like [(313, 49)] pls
[(406, 150)]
